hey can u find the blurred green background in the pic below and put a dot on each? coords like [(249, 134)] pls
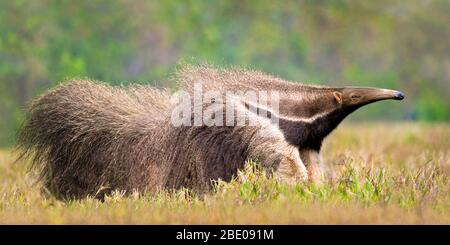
[(401, 45)]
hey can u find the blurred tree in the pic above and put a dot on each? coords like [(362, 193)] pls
[(393, 44)]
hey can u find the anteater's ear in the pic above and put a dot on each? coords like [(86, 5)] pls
[(338, 96)]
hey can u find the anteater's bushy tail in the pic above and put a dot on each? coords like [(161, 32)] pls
[(76, 135)]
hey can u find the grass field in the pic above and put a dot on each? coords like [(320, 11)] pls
[(379, 174)]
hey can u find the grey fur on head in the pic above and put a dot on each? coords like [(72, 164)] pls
[(88, 138)]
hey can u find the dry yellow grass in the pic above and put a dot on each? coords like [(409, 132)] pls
[(381, 174)]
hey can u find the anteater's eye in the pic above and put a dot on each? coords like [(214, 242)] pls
[(354, 96)]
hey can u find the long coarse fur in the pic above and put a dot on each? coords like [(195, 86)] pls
[(87, 137)]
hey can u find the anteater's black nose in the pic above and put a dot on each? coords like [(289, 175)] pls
[(399, 95)]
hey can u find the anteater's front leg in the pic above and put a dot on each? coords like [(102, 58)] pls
[(275, 154), (313, 162)]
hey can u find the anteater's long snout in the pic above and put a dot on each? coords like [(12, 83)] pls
[(365, 95)]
